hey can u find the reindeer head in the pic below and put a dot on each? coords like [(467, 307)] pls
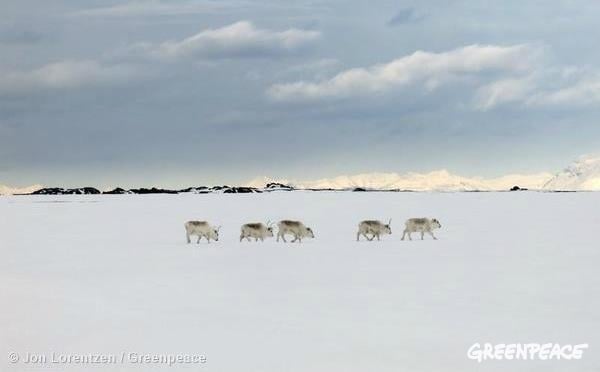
[(269, 231), (387, 229), (270, 228), (215, 233)]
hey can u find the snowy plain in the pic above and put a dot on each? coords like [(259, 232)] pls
[(113, 274)]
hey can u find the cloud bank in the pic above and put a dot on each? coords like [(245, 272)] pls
[(66, 75), (154, 8), (404, 16), (426, 69), (548, 87), (492, 75), (238, 40)]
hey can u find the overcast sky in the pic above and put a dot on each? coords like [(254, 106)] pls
[(193, 92)]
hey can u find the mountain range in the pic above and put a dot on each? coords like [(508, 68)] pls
[(440, 180), (581, 175)]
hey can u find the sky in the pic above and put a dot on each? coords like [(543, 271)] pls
[(195, 92)]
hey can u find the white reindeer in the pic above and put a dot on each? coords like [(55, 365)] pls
[(422, 225), (256, 230), (374, 228), (201, 229), (295, 228)]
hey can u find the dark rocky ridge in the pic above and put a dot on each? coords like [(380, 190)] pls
[(154, 190), (278, 186), (270, 187), (517, 188), (116, 191), (61, 191)]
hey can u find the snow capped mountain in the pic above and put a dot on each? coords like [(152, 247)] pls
[(582, 175), (6, 190), (440, 180)]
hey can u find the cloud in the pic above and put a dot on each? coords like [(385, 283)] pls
[(404, 16), (154, 8), (584, 92), (440, 180), (548, 86), (426, 69), (493, 76), (316, 69), (13, 36), (504, 91), (238, 40), (150, 8), (65, 75)]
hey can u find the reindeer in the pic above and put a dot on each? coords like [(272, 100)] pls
[(257, 231), (201, 229), (295, 228), (422, 225), (373, 227)]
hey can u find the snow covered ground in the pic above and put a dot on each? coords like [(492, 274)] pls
[(113, 275)]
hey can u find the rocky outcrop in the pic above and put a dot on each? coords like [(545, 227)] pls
[(517, 188), (152, 190), (61, 191), (116, 191), (196, 190), (273, 186), (241, 190)]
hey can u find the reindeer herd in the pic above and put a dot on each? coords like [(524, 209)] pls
[(260, 231)]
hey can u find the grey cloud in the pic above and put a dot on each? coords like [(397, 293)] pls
[(98, 121), (404, 16), (16, 36), (238, 40), (426, 69), (548, 87), (155, 8), (66, 75)]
